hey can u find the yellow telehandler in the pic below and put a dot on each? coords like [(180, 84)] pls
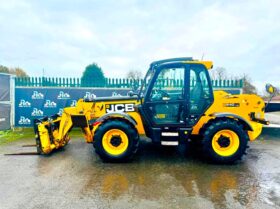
[(175, 104)]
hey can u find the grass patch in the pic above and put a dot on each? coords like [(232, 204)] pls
[(13, 135), (27, 133)]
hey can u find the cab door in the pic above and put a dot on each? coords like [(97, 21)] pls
[(165, 101), (165, 104), (200, 93)]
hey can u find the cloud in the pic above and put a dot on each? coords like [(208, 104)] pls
[(64, 36)]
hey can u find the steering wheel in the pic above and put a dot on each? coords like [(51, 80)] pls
[(158, 94)]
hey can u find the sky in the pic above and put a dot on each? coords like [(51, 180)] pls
[(64, 36)]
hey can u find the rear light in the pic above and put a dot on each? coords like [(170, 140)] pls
[(96, 123)]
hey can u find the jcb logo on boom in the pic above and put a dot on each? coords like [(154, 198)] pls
[(120, 108)]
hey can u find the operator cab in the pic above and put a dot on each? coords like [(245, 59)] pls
[(176, 93)]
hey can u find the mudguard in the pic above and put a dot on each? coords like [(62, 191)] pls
[(117, 115), (231, 115)]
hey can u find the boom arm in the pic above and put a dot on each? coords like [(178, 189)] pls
[(53, 132)]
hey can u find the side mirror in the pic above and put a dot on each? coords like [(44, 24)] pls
[(270, 89), (131, 93)]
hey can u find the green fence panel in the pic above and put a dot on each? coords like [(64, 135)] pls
[(114, 82)]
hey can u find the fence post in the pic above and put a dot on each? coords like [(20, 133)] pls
[(79, 82)]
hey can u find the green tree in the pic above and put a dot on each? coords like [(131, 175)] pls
[(93, 76), (15, 71), (4, 69)]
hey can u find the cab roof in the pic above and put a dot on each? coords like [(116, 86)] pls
[(207, 64)]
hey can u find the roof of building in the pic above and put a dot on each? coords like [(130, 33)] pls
[(276, 98)]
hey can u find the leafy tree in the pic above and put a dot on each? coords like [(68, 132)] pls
[(15, 71), (4, 69), (93, 76)]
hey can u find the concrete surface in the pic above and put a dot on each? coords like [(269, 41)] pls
[(158, 178), (274, 118)]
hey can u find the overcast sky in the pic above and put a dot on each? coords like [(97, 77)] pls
[(63, 37)]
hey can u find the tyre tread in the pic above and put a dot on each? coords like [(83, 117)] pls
[(212, 127), (130, 132)]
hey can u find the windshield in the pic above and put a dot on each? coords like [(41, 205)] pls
[(146, 82)]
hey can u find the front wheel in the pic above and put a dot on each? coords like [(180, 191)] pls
[(224, 141), (116, 141)]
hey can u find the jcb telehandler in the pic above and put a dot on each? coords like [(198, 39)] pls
[(175, 104)]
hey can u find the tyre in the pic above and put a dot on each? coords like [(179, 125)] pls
[(224, 141), (116, 141), (37, 140)]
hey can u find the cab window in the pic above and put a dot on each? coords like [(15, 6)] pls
[(200, 92), (169, 85), (167, 97)]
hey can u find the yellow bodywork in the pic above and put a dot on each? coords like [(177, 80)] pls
[(100, 110), (207, 64), (53, 133), (240, 105)]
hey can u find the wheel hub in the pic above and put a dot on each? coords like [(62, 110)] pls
[(224, 141), (116, 141)]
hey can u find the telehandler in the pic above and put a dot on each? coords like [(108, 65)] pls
[(175, 104)]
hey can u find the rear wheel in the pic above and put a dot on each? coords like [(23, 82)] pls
[(116, 141), (224, 141)]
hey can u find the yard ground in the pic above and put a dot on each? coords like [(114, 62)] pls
[(273, 117), (158, 178)]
